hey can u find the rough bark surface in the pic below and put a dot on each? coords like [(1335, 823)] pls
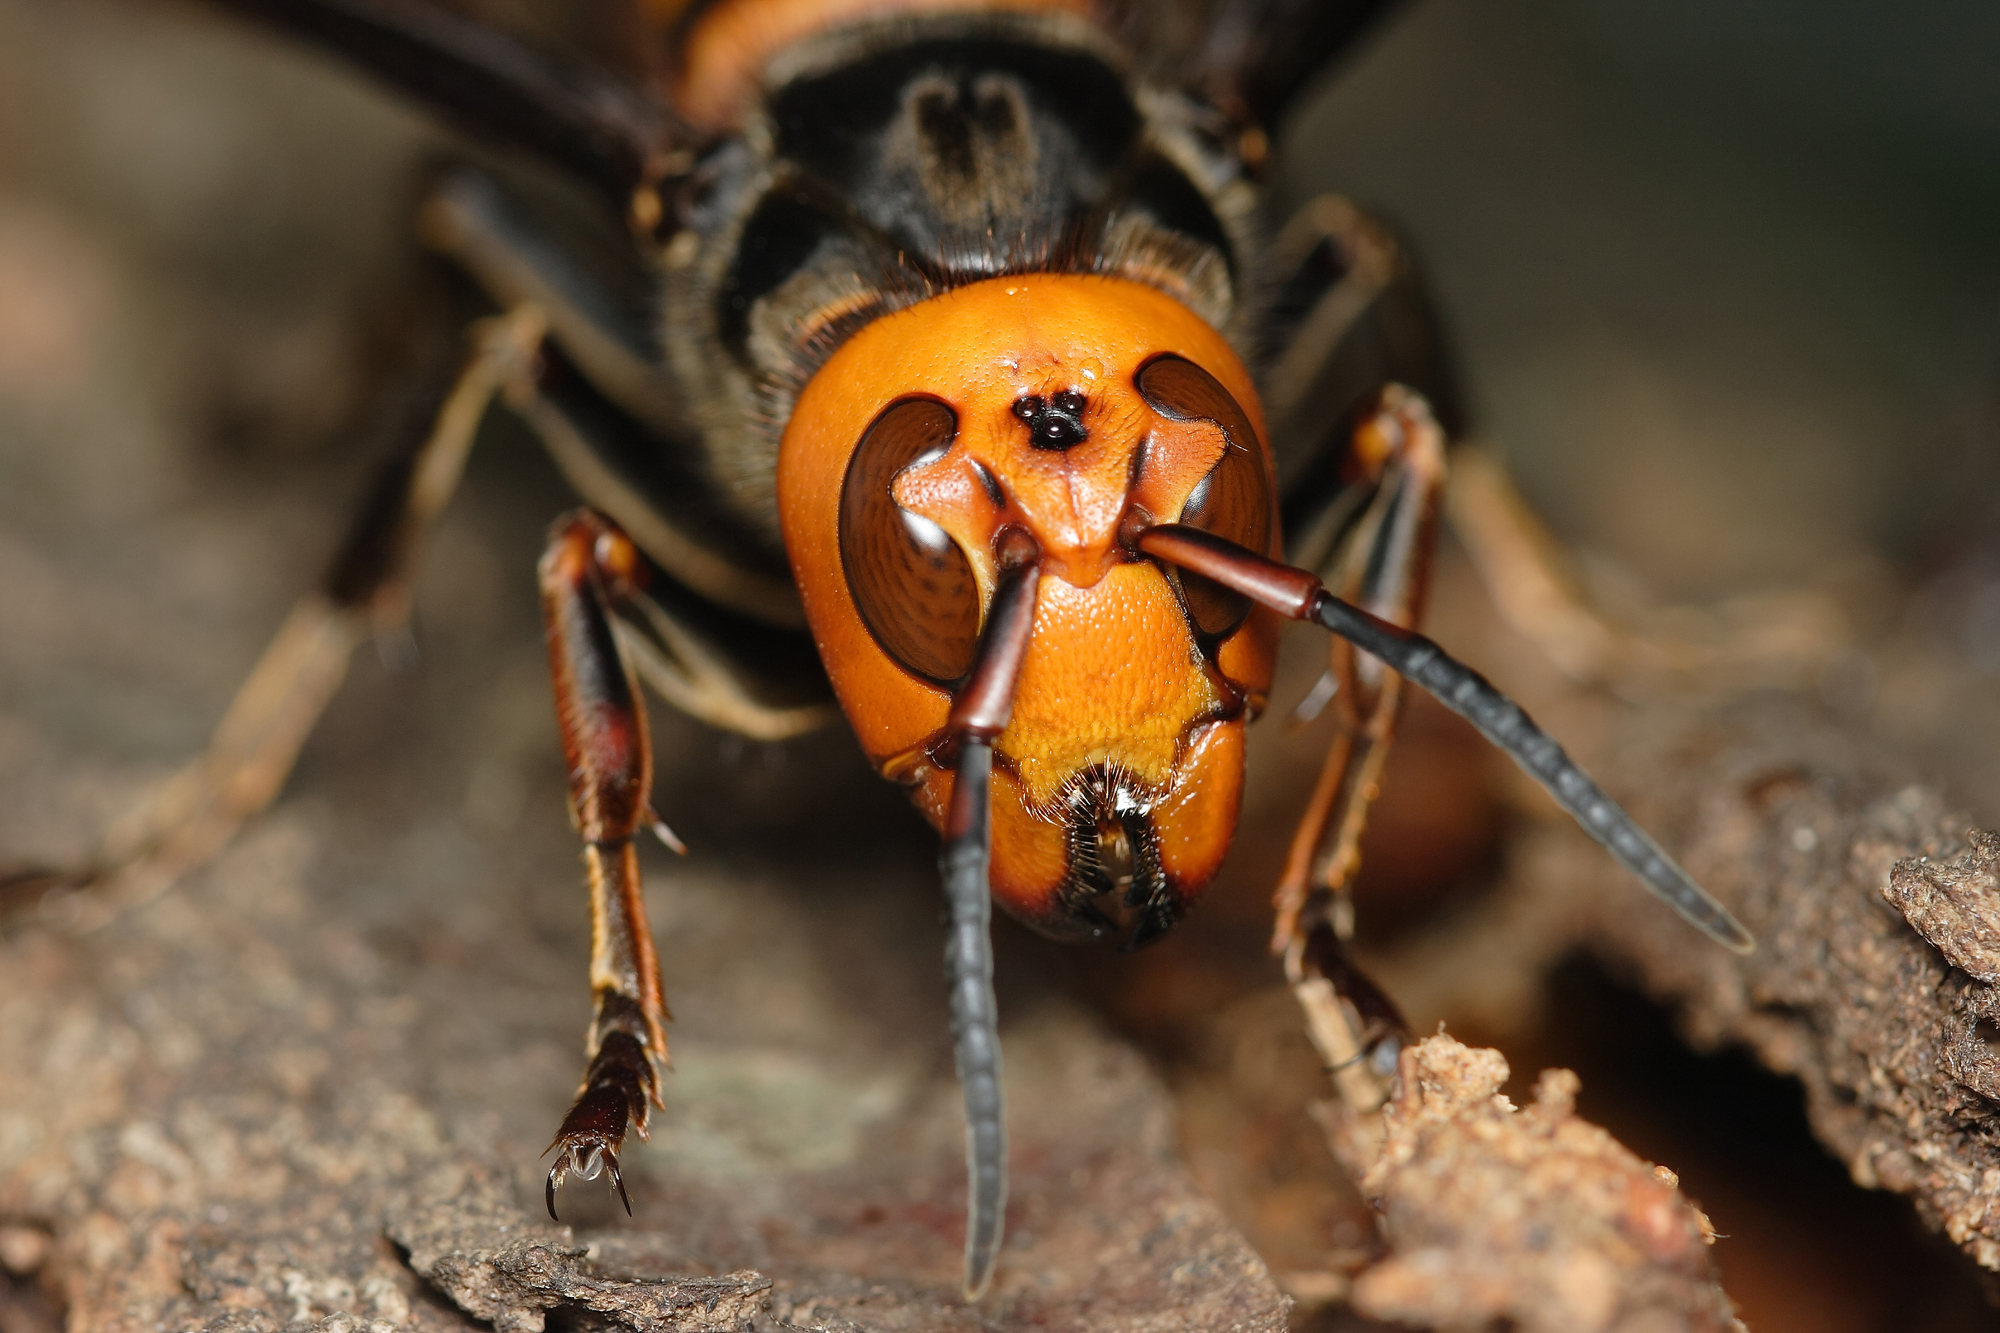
[(1525, 1217), (227, 1111), (1955, 904), (1872, 904)]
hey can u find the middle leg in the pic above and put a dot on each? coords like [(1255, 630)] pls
[(1381, 563), (1361, 510)]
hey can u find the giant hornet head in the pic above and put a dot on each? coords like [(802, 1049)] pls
[(1072, 411)]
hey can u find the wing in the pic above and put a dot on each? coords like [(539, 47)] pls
[(1260, 54), (573, 115)]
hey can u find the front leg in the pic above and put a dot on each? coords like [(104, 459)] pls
[(589, 568)]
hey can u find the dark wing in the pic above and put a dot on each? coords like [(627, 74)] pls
[(1261, 53), (575, 116)]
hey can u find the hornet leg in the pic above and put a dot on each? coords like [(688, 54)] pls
[(589, 569), (1383, 564), (1781, 642), (366, 592)]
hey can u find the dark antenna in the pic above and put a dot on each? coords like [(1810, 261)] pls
[(968, 969), (979, 712), (1299, 595)]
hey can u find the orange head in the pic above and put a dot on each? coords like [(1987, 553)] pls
[(1076, 408)]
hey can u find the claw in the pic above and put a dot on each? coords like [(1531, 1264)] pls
[(618, 1181), (617, 1091), (586, 1159)]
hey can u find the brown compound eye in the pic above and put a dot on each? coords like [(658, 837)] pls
[(1236, 500), (909, 580)]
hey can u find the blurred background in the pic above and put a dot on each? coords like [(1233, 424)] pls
[(1725, 277), (1725, 282)]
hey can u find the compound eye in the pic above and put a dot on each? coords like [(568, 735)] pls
[(1235, 501), (910, 581)]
